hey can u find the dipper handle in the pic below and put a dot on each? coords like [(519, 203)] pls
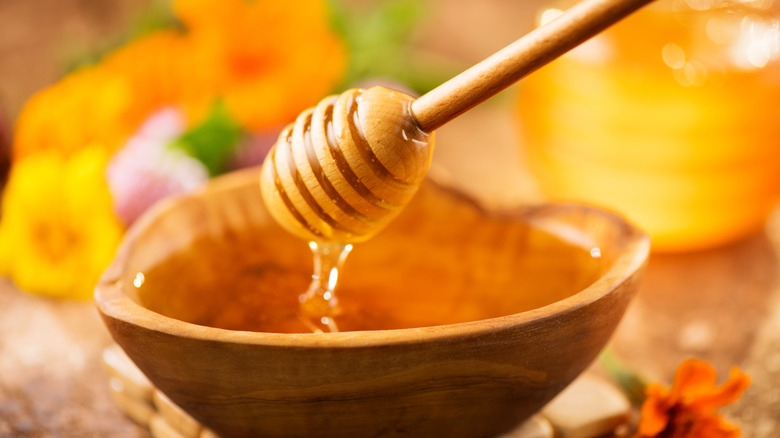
[(515, 61), (347, 167)]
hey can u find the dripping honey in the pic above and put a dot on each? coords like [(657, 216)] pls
[(441, 262)]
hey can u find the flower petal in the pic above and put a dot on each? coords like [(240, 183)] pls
[(708, 426), (694, 378), (655, 411), (724, 394)]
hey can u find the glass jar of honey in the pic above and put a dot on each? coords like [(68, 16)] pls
[(671, 117)]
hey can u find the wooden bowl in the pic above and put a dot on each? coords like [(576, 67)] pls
[(468, 379)]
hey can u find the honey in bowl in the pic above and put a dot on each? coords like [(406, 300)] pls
[(443, 261)]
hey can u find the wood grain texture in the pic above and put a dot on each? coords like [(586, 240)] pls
[(462, 380), (345, 168)]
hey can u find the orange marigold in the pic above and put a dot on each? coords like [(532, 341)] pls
[(164, 69), (689, 408), (268, 59), (89, 106)]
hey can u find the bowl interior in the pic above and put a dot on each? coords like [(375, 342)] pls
[(223, 262)]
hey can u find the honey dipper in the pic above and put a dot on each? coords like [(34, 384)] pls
[(346, 167)]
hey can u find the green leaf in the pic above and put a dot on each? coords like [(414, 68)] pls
[(213, 141), (378, 38), (631, 382)]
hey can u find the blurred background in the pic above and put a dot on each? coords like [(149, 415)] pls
[(37, 47), (670, 118)]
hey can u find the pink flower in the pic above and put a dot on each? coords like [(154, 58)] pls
[(146, 170)]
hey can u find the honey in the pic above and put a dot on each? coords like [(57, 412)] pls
[(669, 117), (319, 305), (442, 261)]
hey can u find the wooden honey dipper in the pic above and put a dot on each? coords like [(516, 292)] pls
[(347, 167)]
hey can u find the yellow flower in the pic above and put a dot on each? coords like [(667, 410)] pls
[(267, 59), (58, 231), (88, 106)]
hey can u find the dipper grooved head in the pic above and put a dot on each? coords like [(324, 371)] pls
[(347, 167)]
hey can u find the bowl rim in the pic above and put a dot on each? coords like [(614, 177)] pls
[(112, 302)]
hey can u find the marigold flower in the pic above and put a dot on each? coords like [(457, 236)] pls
[(689, 408), (58, 232), (269, 59), (164, 69), (265, 60), (89, 106)]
